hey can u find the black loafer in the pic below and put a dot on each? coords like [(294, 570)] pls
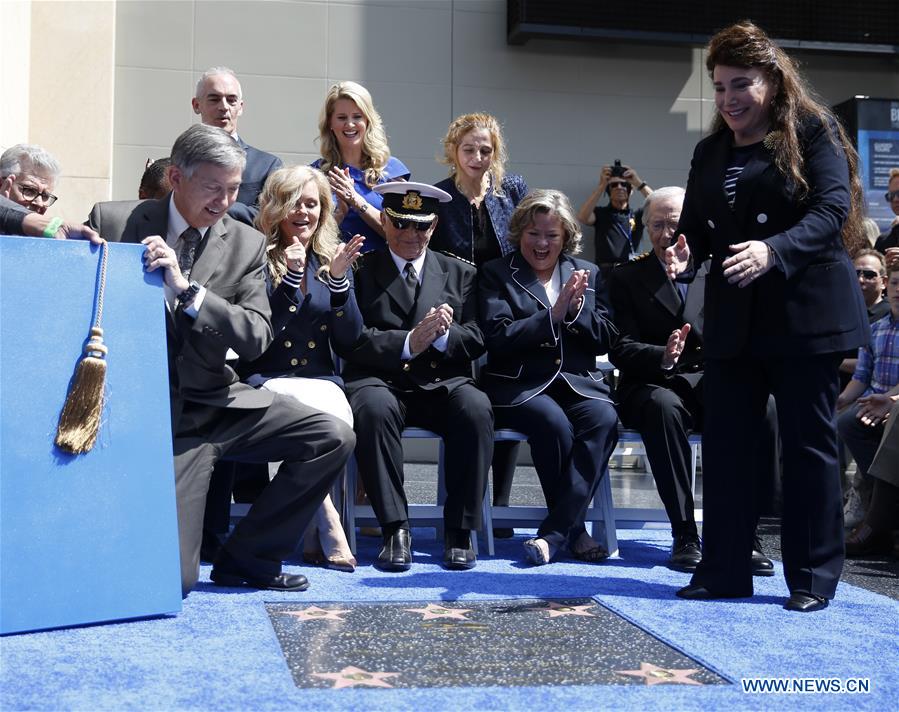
[(396, 554), (280, 582), (457, 551), (685, 553), (805, 602)]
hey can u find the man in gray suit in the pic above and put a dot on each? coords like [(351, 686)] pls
[(215, 300), (219, 102)]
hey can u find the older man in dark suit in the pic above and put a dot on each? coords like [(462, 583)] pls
[(411, 365), (659, 354), (219, 102), (216, 301)]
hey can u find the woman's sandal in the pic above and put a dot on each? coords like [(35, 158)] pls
[(587, 549), (539, 551)]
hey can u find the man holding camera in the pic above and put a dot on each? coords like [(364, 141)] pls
[(618, 228)]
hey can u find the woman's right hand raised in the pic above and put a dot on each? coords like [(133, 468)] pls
[(295, 254), (677, 258), (346, 255)]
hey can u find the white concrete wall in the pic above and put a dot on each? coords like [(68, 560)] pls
[(567, 107)]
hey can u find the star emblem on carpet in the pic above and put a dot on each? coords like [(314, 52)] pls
[(432, 611), (314, 613), (474, 643), (352, 676), (655, 675)]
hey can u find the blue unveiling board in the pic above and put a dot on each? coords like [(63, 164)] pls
[(93, 537)]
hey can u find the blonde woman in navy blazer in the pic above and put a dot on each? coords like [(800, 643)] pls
[(772, 199), (545, 317), (304, 253)]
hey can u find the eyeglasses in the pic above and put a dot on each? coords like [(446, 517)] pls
[(619, 184), (891, 195), (401, 224), (867, 273), (30, 193)]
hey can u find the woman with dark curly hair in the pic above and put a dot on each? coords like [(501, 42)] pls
[(774, 200)]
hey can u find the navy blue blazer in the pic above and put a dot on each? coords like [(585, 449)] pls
[(302, 325), (373, 354), (526, 352), (813, 304), (259, 165), (453, 233)]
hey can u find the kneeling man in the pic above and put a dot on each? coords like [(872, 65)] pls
[(216, 300)]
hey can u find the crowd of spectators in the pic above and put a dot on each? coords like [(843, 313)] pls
[(323, 308)]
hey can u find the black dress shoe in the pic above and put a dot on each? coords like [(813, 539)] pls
[(457, 551), (805, 602), (396, 554), (761, 564), (280, 582), (685, 553), (698, 592)]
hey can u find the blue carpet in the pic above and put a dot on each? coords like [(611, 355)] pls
[(221, 653)]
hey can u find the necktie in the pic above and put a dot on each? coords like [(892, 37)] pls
[(190, 239), (411, 277)]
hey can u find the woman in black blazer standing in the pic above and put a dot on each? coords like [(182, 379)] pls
[(545, 317), (474, 226), (773, 199)]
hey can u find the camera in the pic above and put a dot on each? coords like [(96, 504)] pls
[(617, 169)]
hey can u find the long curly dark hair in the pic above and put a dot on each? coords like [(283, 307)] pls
[(746, 45)]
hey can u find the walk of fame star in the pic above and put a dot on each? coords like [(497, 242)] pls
[(556, 609), (432, 611), (314, 613), (653, 675), (352, 676)]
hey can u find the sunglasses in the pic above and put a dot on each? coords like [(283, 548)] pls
[(619, 184), (401, 224), (892, 194), (867, 273)]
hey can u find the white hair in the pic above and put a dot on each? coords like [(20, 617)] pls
[(29, 158), (670, 191), (213, 71)]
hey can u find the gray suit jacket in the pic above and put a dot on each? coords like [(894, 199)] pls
[(234, 314), (259, 165)]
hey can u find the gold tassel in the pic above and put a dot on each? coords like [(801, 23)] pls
[(79, 421)]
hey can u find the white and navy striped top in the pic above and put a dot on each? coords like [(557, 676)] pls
[(739, 157)]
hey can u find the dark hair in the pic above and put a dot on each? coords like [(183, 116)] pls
[(746, 45), (154, 183)]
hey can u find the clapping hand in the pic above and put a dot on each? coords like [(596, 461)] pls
[(433, 325), (572, 295), (343, 186), (675, 347), (346, 255), (677, 258)]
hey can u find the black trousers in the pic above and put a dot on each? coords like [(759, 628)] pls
[(571, 439), (664, 416), (314, 448), (462, 417), (736, 397)]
